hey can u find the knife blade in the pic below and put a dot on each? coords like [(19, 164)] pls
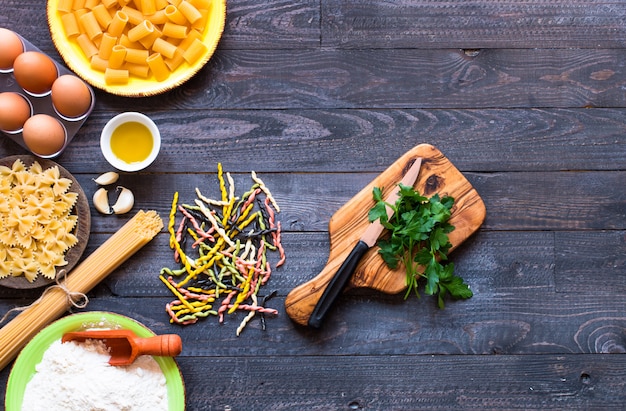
[(366, 241)]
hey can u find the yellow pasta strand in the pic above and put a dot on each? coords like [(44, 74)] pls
[(148, 7), (78, 4), (99, 64), (139, 70)]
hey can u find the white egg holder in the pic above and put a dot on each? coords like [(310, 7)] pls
[(42, 104)]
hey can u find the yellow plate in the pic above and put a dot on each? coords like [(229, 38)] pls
[(136, 87)]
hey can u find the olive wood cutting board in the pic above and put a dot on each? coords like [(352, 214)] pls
[(437, 175)]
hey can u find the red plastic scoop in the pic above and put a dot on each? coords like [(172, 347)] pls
[(125, 346)]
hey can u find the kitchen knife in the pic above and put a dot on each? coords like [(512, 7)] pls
[(367, 240)]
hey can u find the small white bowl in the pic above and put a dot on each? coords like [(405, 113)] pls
[(105, 141)]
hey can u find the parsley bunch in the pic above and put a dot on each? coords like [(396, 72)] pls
[(419, 238)]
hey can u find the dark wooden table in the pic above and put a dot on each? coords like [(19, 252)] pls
[(527, 99)]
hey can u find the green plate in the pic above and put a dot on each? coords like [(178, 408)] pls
[(32, 354)]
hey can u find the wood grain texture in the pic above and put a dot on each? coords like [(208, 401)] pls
[(452, 382), (521, 201), (437, 175), (416, 78), (534, 140), (473, 24)]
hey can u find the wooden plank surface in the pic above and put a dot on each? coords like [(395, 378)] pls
[(474, 24), (526, 99)]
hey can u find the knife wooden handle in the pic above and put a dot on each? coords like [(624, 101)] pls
[(337, 284)]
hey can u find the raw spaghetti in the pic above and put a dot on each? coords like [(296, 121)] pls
[(221, 247)]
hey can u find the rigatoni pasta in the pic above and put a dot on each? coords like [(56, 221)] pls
[(174, 15), (116, 76), (70, 24), (137, 56), (65, 6), (164, 47), (118, 24), (195, 50), (117, 57), (158, 67), (137, 38), (90, 26), (177, 31), (107, 42), (189, 11), (86, 45), (141, 30)]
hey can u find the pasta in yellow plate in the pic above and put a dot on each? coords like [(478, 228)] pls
[(136, 47)]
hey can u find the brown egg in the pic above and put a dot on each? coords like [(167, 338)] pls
[(70, 96), (43, 135), (14, 111), (34, 72), (10, 47)]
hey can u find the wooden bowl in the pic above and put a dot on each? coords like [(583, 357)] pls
[(81, 231)]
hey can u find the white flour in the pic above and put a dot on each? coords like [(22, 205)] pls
[(77, 376)]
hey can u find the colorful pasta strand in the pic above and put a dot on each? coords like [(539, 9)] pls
[(231, 241)]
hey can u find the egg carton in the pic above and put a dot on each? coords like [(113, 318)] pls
[(43, 104)]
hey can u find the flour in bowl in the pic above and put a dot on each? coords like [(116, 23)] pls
[(77, 376)]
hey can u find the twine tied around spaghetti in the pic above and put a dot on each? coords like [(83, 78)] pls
[(74, 298)]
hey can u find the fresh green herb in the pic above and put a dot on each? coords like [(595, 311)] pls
[(419, 239)]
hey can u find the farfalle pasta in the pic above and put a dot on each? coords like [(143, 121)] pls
[(38, 226)]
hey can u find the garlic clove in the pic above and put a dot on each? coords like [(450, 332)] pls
[(107, 178), (101, 201), (125, 201)]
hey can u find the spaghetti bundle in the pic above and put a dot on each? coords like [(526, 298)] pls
[(132, 236)]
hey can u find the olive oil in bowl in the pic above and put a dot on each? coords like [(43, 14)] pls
[(130, 141)]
